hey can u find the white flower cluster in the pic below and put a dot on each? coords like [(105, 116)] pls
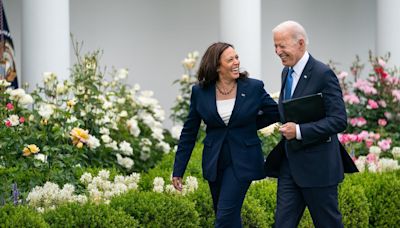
[(190, 61), (13, 120), (396, 152), (114, 109), (190, 185), (100, 190), (376, 164), (46, 110), (50, 195), (19, 96), (375, 150)]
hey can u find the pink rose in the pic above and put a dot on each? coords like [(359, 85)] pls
[(382, 103), (385, 144), (351, 99), (8, 123), (10, 106), (382, 122), (369, 143), (372, 104)]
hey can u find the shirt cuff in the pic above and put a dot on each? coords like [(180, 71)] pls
[(298, 132)]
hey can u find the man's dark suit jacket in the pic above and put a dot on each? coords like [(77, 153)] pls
[(318, 159), (240, 133)]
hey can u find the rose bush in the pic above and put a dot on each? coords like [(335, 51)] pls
[(373, 108), (87, 121)]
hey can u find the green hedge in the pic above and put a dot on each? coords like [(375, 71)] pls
[(153, 209), (20, 216), (203, 204), (382, 191), (88, 215), (353, 204), (365, 200)]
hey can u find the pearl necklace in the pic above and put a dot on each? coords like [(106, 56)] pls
[(226, 92)]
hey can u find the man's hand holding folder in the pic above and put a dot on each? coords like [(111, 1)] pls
[(304, 109)]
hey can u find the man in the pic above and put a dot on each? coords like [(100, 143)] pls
[(310, 165)]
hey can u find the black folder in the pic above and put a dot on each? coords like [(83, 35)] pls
[(304, 109)]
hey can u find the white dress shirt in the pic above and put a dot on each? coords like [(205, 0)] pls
[(225, 108)]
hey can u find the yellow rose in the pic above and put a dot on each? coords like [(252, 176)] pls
[(79, 145), (30, 149), (79, 136), (26, 152)]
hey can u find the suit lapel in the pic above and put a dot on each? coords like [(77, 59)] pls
[(283, 80), (281, 94), (241, 93), (304, 78)]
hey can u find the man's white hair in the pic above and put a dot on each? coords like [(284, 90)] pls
[(294, 28)]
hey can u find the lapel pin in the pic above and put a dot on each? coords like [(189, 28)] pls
[(305, 76), (243, 95)]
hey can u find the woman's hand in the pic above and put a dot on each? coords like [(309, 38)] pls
[(177, 183)]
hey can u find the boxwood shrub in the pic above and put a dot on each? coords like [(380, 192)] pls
[(382, 191), (154, 209), (88, 215), (20, 216)]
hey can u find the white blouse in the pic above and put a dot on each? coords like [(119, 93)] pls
[(225, 108)]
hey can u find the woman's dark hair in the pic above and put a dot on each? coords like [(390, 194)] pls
[(210, 62)]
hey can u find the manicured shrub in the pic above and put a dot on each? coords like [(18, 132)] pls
[(253, 214), (146, 180), (153, 209), (265, 192), (353, 204), (165, 168), (382, 191), (203, 204), (88, 215), (20, 216)]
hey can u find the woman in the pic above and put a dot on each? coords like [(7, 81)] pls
[(233, 107)]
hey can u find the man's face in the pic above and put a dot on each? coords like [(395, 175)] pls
[(288, 50)]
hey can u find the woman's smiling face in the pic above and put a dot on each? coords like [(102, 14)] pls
[(229, 64)]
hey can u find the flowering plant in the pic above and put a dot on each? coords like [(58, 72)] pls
[(190, 185), (98, 189), (188, 79), (87, 121), (373, 109)]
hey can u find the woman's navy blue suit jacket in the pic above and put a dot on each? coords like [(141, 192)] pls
[(252, 102)]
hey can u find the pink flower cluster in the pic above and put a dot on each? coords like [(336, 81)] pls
[(365, 86), (351, 98), (372, 104), (369, 138), (385, 144), (358, 121), (13, 120), (396, 95)]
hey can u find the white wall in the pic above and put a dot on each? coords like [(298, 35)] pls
[(151, 37)]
